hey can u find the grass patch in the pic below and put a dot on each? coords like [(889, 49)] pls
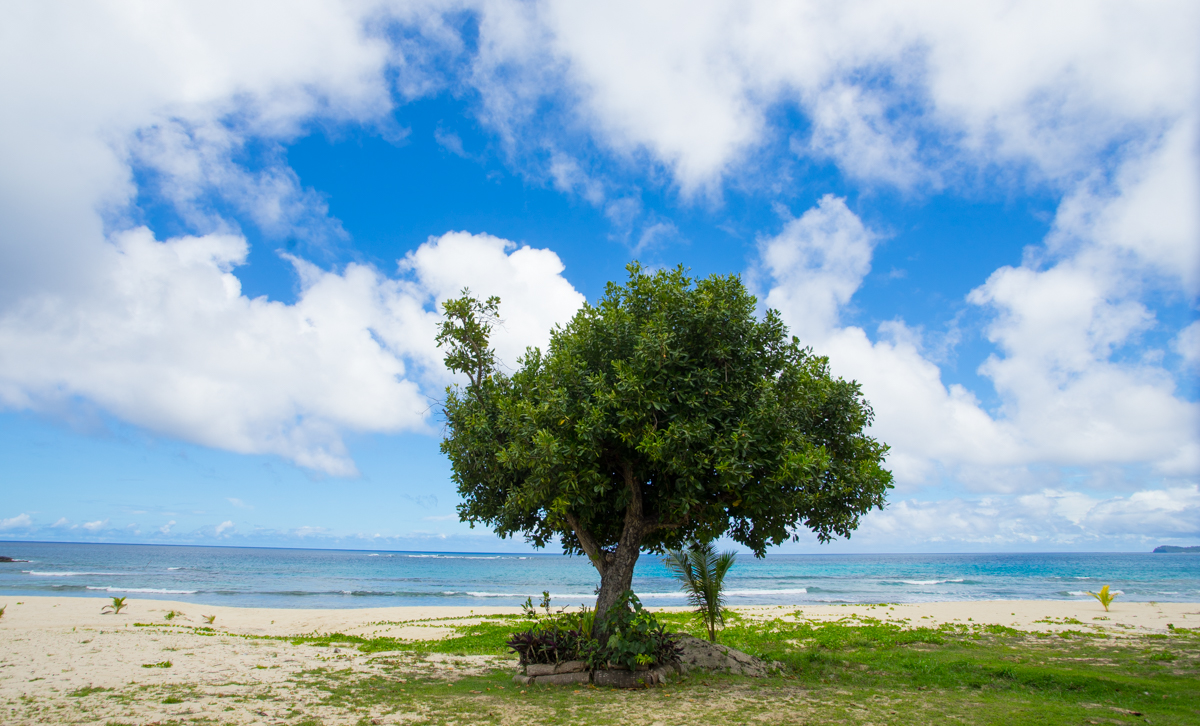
[(856, 670)]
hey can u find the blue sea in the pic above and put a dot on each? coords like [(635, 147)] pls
[(304, 578)]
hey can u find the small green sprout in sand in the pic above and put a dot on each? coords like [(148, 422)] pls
[(208, 619), (2, 609), (118, 604), (160, 664), (1104, 597), (172, 614)]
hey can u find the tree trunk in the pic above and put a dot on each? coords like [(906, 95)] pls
[(616, 566), (615, 579)]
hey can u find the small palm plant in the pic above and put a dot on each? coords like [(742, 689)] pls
[(701, 572), (118, 604), (2, 609), (208, 619), (1104, 597)]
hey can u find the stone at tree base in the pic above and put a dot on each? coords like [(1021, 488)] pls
[(539, 669), (697, 654), (563, 679), (570, 666)]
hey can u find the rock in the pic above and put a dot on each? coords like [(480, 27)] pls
[(613, 678), (697, 654), (9, 559), (540, 676), (570, 666), (564, 679)]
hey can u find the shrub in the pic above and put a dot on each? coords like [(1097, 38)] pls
[(633, 637)]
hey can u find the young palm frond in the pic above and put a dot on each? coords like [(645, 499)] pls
[(701, 572), (118, 604), (1104, 596)]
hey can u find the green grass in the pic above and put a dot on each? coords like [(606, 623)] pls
[(857, 670)]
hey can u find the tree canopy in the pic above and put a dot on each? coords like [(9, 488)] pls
[(666, 413)]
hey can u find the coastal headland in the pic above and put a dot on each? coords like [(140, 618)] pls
[(158, 661)]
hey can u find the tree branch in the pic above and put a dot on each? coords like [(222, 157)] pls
[(635, 520), (594, 552)]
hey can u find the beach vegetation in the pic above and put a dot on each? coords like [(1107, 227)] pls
[(208, 619), (160, 664), (1104, 596), (172, 614), (2, 609), (667, 412), (854, 671), (632, 638), (701, 572), (118, 604)]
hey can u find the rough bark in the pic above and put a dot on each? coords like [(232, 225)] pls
[(616, 566)]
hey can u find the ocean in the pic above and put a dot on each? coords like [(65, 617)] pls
[(310, 578)]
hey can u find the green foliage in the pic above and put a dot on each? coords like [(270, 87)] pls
[(208, 619), (701, 571), (2, 609), (529, 610), (172, 614), (160, 664), (634, 636), (668, 412), (466, 327), (1104, 597), (118, 604), (563, 638)]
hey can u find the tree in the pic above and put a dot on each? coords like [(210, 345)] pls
[(701, 573), (664, 414)]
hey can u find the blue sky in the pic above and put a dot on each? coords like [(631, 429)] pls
[(224, 229)]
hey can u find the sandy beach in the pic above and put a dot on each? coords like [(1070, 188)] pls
[(51, 647)]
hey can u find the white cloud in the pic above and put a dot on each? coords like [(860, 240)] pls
[(1048, 518), (166, 528), (62, 522), (169, 342), (692, 84), (817, 263), (1066, 400), (223, 527), (1187, 344), (21, 521), (95, 526)]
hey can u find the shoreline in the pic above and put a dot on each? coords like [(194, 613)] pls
[(55, 612)]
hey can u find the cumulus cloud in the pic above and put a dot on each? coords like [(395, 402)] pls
[(95, 526), (898, 93), (1067, 401), (157, 331), (21, 521), (1051, 518), (168, 341), (223, 527)]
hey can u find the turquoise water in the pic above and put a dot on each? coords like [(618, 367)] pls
[(259, 577)]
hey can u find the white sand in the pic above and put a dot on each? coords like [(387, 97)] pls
[(50, 646)]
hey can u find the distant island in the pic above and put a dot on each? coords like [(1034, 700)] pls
[(9, 559), (1172, 549)]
